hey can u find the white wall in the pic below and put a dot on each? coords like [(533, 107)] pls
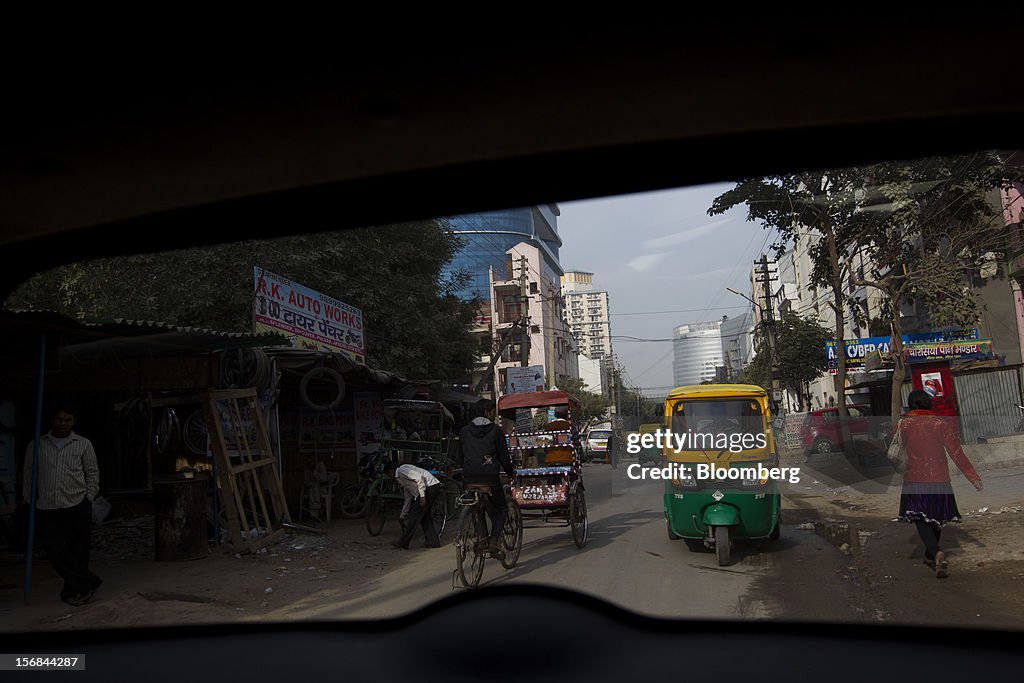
[(590, 373)]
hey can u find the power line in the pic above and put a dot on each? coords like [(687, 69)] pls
[(681, 339), (679, 310), (728, 281)]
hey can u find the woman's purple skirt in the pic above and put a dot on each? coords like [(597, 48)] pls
[(929, 502)]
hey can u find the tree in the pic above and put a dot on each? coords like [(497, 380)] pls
[(594, 407), (818, 207), (415, 325), (800, 343), (758, 372), (924, 228), (635, 404), (928, 228)]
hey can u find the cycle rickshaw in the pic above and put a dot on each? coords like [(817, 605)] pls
[(548, 487)]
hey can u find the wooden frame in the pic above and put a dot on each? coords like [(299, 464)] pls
[(244, 480)]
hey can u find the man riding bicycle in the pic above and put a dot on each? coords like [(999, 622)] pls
[(484, 454)]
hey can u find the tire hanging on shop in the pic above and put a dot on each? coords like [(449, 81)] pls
[(330, 373)]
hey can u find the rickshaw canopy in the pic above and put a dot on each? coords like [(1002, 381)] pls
[(538, 399), (413, 406)]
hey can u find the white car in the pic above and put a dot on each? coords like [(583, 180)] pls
[(597, 443)]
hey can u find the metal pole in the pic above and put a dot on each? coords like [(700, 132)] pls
[(619, 387), (30, 548), (524, 311)]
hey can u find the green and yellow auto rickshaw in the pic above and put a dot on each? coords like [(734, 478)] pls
[(716, 492)]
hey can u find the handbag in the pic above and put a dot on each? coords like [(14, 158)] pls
[(897, 454)]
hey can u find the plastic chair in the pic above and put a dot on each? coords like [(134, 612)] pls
[(326, 499)]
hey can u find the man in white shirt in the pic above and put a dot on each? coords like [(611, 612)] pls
[(67, 483), (423, 487)]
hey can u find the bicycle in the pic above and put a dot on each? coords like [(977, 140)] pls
[(355, 498), (472, 542), (386, 496), (441, 508)]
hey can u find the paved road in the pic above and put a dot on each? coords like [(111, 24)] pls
[(628, 561), (807, 575)]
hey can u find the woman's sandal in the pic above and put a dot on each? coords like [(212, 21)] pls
[(941, 565)]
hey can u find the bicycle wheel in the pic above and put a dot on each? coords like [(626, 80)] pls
[(194, 432), (469, 556), (375, 515), (512, 537), (167, 430), (439, 513), (354, 501), (578, 518)]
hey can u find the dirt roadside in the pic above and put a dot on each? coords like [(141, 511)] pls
[(224, 587), (869, 567)]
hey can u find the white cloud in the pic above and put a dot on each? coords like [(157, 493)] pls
[(644, 263), (683, 236), (693, 276)]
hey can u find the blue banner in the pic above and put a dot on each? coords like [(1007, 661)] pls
[(858, 349)]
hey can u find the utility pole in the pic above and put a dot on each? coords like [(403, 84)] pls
[(618, 386), (769, 322), (506, 340), (524, 309)]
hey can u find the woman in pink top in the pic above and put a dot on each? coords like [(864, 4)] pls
[(927, 499)]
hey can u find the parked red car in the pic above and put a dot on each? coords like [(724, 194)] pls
[(820, 432)]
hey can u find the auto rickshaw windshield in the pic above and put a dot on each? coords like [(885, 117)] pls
[(704, 421)]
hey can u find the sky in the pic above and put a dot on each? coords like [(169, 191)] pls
[(660, 251)]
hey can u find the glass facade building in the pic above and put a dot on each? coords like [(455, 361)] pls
[(488, 235), (698, 351)]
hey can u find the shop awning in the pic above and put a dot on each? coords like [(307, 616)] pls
[(91, 340)]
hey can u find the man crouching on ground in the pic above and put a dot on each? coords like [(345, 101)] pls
[(420, 485)]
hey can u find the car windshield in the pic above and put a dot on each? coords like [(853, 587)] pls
[(212, 434)]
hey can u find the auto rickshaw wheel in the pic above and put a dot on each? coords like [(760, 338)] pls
[(671, 534), (722, 548), (578, 518), (777, 531)]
